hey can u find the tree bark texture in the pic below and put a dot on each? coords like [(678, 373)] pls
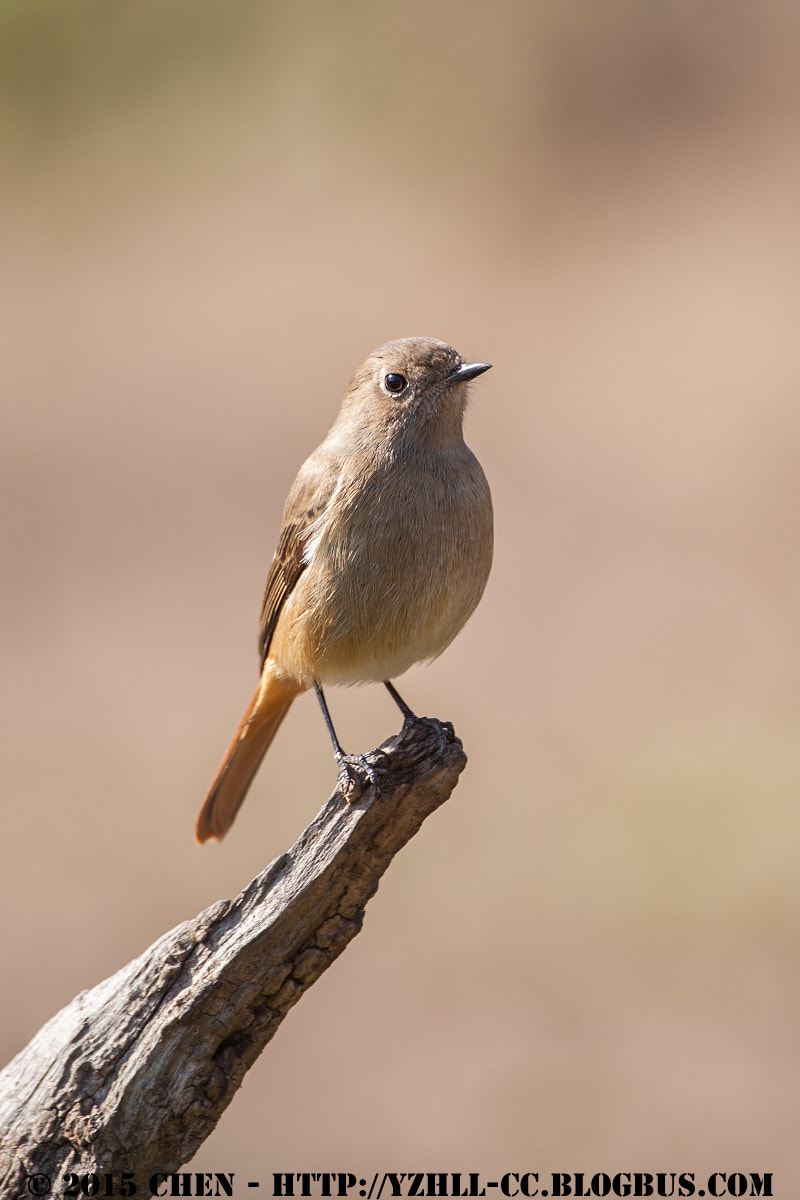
[(133, 1075)]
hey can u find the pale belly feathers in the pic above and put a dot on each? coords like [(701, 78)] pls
[(392, 576)]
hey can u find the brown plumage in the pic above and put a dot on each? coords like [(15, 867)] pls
[(384, 551)]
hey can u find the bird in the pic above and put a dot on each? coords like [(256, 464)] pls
[(384, 552)]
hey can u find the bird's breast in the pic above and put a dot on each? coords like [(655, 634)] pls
[(396, 566)]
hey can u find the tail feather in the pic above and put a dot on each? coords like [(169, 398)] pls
[(250, 743)]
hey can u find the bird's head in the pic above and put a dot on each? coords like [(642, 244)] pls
[(412, 386)]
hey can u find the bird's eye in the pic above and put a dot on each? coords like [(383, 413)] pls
[(394, 382)]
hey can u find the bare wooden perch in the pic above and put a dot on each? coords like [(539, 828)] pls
[(134, 1074)]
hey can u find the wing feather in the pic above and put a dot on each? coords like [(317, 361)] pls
[(310, 495)]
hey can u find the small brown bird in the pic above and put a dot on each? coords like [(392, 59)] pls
[(384, 552)]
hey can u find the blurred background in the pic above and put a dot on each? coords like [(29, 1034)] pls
[(210, 214)]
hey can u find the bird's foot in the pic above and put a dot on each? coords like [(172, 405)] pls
[(415, 727), (356, 775), (418, 729)]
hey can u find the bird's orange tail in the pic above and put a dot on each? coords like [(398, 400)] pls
[(250, 743)]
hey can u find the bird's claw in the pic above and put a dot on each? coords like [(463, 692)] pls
[(441, 736), (422, 725), (356, 775)]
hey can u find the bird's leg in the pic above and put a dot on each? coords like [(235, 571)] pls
[(355, 773), (409, 716), (410, 719)]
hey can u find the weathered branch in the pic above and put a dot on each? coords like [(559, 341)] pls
[(134, 1075)]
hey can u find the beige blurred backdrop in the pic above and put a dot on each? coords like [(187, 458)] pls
[(210, 214)]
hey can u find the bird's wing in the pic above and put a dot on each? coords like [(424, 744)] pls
[(308, 499)]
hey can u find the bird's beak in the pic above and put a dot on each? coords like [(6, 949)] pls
[(467, 371)]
